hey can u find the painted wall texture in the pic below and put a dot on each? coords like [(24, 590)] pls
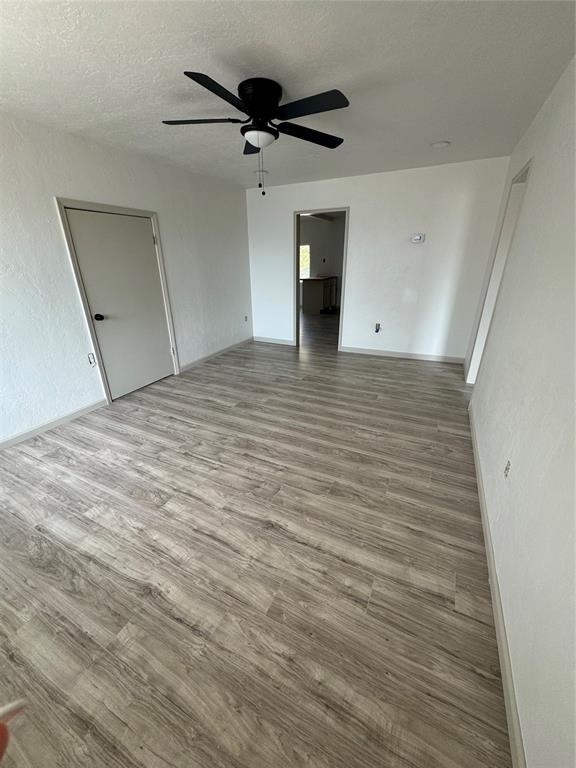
[(44, 339), (425, 296), (523, 411)]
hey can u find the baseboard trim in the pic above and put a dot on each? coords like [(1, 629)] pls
[(201, 360), (269, 340), (81, 411), (405, 355), (51, 424), (512, 716)]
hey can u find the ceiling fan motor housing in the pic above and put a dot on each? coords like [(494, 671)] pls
[(261, 98)]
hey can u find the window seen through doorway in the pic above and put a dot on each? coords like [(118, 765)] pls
[(304, 262)]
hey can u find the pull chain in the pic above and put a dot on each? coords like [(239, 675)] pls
[(261, 173), (261, 170)]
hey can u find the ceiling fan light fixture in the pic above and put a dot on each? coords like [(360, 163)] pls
[(259, 136), (259, 99)]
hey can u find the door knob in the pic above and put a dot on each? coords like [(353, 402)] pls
[(98, 316)]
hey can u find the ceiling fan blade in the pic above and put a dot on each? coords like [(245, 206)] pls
[(316, 137), (321, 102), (250, 149), (203, 121), (216, 88)]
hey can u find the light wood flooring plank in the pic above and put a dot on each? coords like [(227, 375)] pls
[(274, 560)]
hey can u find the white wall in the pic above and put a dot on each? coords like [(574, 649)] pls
[(523, 411), (425, 296), (44, 340)]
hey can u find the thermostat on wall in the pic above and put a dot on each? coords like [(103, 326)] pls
[(418, 237)]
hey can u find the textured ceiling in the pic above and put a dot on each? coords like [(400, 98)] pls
[(415, 72)]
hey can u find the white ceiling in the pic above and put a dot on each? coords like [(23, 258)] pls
[(473, 72)]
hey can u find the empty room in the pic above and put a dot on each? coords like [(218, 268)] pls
[(287, 384)]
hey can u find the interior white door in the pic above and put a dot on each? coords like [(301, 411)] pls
[(117, 258)]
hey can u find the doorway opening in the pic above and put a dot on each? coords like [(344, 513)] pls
[(505, 239), (117, 262), (321, 239)]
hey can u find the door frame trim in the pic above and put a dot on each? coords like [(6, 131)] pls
[(474, 349), (63, 203)]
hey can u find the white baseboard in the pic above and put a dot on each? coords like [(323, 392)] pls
[(268, 340), (51, 424), (405, 355), (200, 360), (514, 729)]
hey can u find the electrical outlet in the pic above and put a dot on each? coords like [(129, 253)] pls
[(377, 328), (507, 468), (245, 318), (91, 359)]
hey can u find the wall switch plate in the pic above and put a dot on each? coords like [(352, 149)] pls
[(507, 469), (91, 359), (377, 328), (417, 238)]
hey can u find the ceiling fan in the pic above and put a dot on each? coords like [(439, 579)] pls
[(259, 99)]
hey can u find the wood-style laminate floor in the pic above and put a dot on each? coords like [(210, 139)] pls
[(273, 560)]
